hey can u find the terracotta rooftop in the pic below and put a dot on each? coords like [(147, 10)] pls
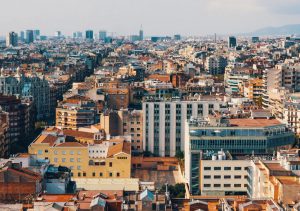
[(79, 134), (46, 139), (254, 122), (57, 197), (274, 167), (121, 147), (289, 180), (71, 144)]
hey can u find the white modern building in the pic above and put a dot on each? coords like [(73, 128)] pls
[(219, 175), (164, 127)]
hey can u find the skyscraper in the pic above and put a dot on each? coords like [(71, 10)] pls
[(36, 34), (102, 35), (29, 36), (177, 37), (89, 34), (58, 34), (22, 36), (141, 34), (12, 39), (77, 34), (231, 42)]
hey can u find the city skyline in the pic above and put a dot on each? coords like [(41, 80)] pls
[(158, 18)]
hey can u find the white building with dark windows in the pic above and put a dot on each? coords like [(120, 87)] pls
[(164, 127)]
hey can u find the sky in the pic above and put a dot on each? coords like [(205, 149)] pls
[(157, 17)]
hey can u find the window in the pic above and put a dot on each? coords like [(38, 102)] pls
[(245, 177), (227, 185), (110, 174), (55, 160), (245, 185), (207, 185), (79, 174), (227, 177), (237, 185), (71, 159), (110, 164), (227, 168), (207, 168), (40, 152), (78, 167), (63, 152), (84, 174), (63, 160), (71, 167), (207, 176), (78, 152), (237, 177), (118, 174), (100, 174), (217, 168), (55, 152), (46, 151), (78, 159), (217, 177), (217, 185), (94, 174), (71, 152), (237, 168)]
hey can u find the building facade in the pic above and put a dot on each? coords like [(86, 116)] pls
[(12, 39), (132, 125), (28, 86), (163, 127), (76, 112), (90, 158), (4, 138)]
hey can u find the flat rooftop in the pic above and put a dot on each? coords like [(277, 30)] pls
[(254, 122)]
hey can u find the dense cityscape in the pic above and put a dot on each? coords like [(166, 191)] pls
[(99, 121)]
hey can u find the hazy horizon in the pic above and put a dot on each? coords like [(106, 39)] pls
[(158, 17)]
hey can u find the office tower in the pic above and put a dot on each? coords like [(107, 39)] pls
[(255, 39), (164, 128), (12, 39), (232, 42), (141, 34), (77, 34), (22, 36), (36, 34), (89, 34), (29, 36), (177, 37), (102, 35), (134, 38), (58, 34)]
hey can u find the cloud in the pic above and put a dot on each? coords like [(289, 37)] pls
[(159, 17)]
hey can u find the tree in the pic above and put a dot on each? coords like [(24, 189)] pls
[(176, 191), (179, 155)]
